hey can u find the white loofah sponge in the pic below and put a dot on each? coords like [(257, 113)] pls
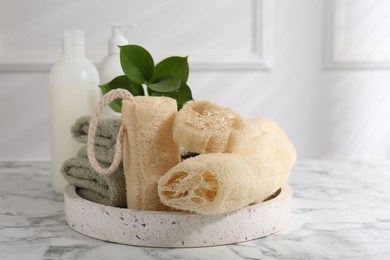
[(269, 153), (205, 127), (209, 184), (224, 182)]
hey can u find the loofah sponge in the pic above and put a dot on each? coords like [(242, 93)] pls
[(205, 127), (209, 184), (269, 153), (224, 182), (148, 148), (269, 139)]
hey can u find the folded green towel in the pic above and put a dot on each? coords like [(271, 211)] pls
[(103, 189), (102, 154), (100, 188), (106, 132)]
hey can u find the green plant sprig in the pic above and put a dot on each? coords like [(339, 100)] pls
[(168, 78)]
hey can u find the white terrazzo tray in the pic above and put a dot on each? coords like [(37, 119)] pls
[(175, 229)]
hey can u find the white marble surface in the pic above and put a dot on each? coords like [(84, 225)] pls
[(341, 210)]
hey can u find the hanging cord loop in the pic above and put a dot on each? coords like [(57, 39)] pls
[(107, 99)]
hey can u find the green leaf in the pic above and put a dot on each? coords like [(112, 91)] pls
[(165, 84), (115, 105), (137, 63), (124, 83), (172, 66), (182, 95)]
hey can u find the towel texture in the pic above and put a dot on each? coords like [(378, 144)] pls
[(100, 188), (106, 132), (102, 154)]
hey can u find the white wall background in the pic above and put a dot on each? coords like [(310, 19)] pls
[(320, 68)]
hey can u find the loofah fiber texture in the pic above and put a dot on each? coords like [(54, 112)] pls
[(218, 183), (205, 127), (148, 148), (269, 146), (269, 153), (210, 184)]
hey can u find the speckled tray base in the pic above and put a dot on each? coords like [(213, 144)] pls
[(175, 229)]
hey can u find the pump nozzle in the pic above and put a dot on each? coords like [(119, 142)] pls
[(117, 36)]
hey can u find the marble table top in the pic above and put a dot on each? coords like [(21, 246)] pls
[(341, 210)]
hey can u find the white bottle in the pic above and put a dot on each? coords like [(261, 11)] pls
[(74, 92), (110, 67)]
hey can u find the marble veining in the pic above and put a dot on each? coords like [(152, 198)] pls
[(340, 210)]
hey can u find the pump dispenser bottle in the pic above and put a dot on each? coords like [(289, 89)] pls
[(74, 92), (110, 67)]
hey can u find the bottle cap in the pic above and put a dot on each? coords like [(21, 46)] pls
[(117, 37), (73, 42)]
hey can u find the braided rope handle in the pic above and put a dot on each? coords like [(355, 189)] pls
[(110, 96)]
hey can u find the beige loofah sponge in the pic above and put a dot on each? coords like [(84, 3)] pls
[(148, 148), (269, 153), (210, 184), (220, 183), (205, 127)]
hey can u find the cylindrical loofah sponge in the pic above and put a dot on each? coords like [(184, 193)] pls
[(209, 184), (205, 127), (148, 148)]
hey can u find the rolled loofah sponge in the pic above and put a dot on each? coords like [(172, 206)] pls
[(210, 184), (148, 148), (269, 153), (205, 127)]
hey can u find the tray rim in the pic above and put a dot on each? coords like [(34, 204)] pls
[(280, 204), (70, 192)]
